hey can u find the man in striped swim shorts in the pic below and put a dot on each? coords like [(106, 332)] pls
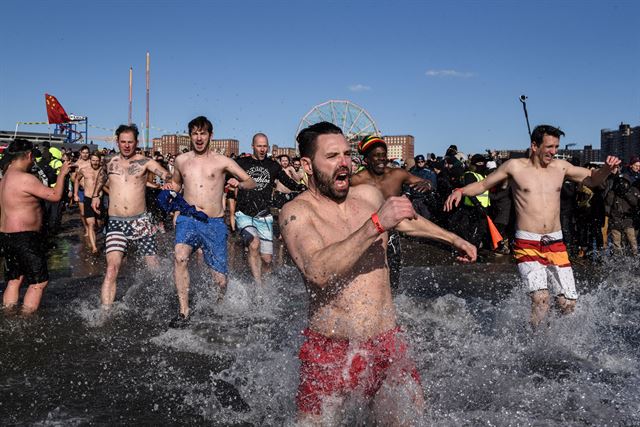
[(539, 250)]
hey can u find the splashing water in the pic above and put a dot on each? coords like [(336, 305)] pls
[(237, 362)]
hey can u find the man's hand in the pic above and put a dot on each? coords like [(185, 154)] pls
[(233, 183), (95, 204), (612, 162), (395, 210), (66, 168), (421, 187), (453, 200), (468, 252)]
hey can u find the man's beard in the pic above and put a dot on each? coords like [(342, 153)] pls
[(324, 183)]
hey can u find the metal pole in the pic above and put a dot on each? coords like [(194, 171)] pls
[(523, 99), (147, 133), (130, 94)]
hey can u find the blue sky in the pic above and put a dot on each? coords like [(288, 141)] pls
[(444, 72)]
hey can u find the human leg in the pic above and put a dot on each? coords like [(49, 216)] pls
[(539, 306), (91, 228), (181, 275), (12, 292), (616, 237), (108, 290), (32, 297), (630, 232)]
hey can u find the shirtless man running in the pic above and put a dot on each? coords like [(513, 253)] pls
[(129, 223), (389, 181), (80, 185), (536, 184), (201, 174), (89, 177), (337, 237), (21, 239)]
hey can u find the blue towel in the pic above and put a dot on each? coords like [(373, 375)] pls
[(170, 201)]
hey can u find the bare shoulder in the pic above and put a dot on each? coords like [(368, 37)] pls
[(563, 164), (360, 178), (366, 194)]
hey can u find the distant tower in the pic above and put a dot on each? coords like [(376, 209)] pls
[(146, 140)]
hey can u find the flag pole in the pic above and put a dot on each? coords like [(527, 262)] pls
[(130, 94), (147, 123)]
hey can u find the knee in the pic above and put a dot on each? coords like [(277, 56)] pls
[(112, 270), (267, 258), (254, 245), (180, 261), (566, 305), (540, 298)]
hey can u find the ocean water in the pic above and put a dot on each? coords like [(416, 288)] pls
[(236, 364)]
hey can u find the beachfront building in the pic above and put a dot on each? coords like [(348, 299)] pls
[(279, 151), (624, 142), (400, 146), (171, 144), (225, 146)]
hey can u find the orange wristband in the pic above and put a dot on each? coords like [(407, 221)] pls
[(376, 222)]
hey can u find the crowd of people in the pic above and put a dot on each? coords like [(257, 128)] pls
[(339, 215)]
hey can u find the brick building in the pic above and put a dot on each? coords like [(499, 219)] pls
[(400, 146), (225, 146), (624, 142), (278, 151)]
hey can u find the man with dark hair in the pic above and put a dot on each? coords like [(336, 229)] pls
[(337, 237), (21, 239), (78, 186), (201, 174), (89, 177), (129, 222), (390, 182), (253, 210), (539, 250)]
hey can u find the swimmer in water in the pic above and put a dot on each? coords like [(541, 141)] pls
[(21, 239), (539, 250), (337, 237), (129, 222)]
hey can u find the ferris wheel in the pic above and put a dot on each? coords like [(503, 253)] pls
[(354, 120)]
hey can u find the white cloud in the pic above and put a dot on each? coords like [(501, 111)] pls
[(359, 88), (449, 73)]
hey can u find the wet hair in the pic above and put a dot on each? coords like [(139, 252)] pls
[(128, 128), (84, 147), (308, 136), (253, 140), (97, 153), (540, 131), (200, 122), (281, 156), (18, 148)]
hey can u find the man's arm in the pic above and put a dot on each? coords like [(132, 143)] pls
[(326, 266), (287, 181), (176, 178), (157, 169), (36, 188), (242, 179), (478, 187), (592, 178), (422, 227), (415, 182), (101, 180), (76, 185)]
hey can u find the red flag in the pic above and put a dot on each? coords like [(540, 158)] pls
[(55, 112)]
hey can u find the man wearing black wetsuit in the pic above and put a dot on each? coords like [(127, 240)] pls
[(253, 209)]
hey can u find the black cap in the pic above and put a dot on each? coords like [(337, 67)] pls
[(419, 158), (477, 158)]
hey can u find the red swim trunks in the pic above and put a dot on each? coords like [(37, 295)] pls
[(333, 366)]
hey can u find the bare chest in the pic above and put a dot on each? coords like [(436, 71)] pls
[(127, 172), (532, 183)]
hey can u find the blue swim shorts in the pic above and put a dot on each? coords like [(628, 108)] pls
[(211, 236), (257, 226)]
